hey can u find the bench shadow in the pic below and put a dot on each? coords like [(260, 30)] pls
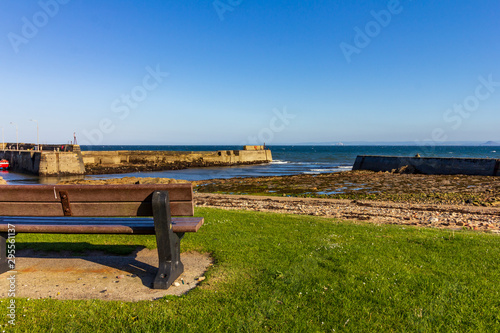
[(105, 255)]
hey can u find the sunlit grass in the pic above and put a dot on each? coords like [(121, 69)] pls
[(286, 273)]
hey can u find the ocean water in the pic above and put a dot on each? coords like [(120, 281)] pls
[(287, 160)]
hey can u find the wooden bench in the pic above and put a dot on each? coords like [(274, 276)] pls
[(103, 209)]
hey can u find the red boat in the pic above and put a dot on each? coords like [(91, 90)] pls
[(4, 164)]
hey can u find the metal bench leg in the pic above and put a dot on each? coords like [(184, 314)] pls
[(169, 243), (4, 265)]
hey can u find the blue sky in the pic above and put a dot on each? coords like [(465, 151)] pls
[(243, 72)]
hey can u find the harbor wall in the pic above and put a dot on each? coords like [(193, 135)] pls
[(34, 146), (203, 158), (430, 165), (44, 163), (69, 160)]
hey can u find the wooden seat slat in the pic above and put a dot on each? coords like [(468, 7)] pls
[(73, 220), (87, 229), (93, 193), (95, 209), (95, 225)]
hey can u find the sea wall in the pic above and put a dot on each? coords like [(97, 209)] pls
[(430, 165), (61, 163), (44, 163), (58, 162), (43, 147), (102, 162), (215, 157)]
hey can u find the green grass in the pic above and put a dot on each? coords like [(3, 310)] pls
[(288, 273)]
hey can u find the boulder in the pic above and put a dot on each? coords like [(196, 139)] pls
[(407, 169)]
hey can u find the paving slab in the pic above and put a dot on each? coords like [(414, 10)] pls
[(98, 276)]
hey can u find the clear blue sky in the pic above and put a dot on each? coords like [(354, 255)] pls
[(240, 71)]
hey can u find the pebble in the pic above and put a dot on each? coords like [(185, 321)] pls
[(176, 284), (450, 217)]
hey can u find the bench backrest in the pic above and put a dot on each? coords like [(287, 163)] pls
[(92, 200)]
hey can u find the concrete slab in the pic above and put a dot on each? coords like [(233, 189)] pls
[(98, 276)]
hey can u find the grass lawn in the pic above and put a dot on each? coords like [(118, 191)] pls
[(287, 273)]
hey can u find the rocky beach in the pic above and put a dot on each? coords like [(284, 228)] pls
[(397, 186), (442, 201), (124, 167), (454, 201), (454, 217)]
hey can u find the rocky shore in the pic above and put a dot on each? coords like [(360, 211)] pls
[(368, 185), (451, 202), (124, 180), (103, 169), (426, 215)]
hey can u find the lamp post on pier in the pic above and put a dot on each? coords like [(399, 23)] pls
[(17, 135), (3, 141), (37, 137)]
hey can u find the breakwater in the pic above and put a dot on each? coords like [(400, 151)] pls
[(58, 160), (44, 163), (430, 165), (103, 162)]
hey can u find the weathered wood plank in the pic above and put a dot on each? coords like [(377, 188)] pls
[(97, 226), (91, 193), (91, 209)]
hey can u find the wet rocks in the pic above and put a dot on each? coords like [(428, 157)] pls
[(144, 165), (401, 186), (125, 180), (407, 169)]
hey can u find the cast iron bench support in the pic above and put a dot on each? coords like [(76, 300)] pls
[(170, 266), (37, 213), (4, 264)]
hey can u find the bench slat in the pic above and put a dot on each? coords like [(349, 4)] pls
[(96, 225), (77, 209), (87, 229), (74, 220), (93, 193), (91, 209)]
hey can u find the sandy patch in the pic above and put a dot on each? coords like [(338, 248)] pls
[(98, 276)]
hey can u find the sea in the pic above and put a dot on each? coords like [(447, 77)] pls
[(287, 160)]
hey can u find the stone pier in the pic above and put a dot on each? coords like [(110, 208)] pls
[(45, 163), (102, 162), (59, 160)]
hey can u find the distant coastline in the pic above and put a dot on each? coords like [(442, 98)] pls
[(400, 143)]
